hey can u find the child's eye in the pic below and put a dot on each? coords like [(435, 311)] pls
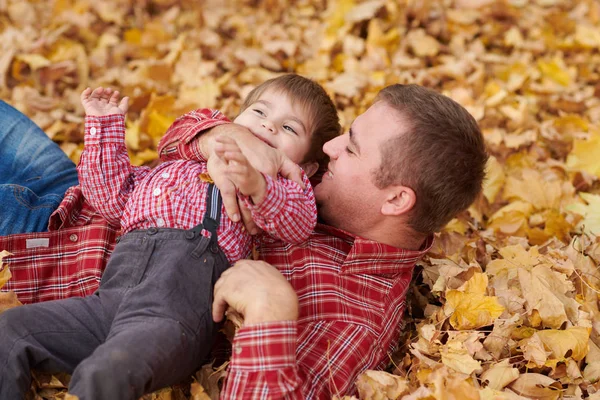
[(289, 128), (259, 112), (348, 150)]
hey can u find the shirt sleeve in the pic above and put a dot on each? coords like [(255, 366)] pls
[(287, 212), (178, 142), (283, 360), (106, 175)]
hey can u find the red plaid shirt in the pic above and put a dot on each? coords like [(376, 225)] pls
[(174, 193), (351, 295), (68, 260)]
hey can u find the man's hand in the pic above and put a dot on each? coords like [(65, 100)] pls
[(102, 102), (256, 290), (261, 156), (244, 176)]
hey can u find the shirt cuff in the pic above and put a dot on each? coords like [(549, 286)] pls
[(105, 129), (272, 205), (265, 347)]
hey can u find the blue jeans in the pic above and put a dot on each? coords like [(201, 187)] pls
[(34, 174)]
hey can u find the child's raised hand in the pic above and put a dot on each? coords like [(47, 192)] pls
[(101, 102), (244, 176)]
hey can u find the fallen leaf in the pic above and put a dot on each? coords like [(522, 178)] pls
[(471, 308), (500, 375), (380, 385), (536, 386), (571, 342), (590, 213), (455, 356), (584, 155), (5, 274)]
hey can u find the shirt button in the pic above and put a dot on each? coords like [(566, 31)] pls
[(165, 175), (92, 131), (73, 237), (156, 192), (238, 349), (160, 222)]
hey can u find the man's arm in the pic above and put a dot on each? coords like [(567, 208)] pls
[(291, 361), (274, 357)]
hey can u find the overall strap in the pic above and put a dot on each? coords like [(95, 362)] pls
[(212, 215)]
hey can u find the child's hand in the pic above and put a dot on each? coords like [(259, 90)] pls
[(244, 176), (101, 102)]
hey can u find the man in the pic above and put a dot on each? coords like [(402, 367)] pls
[(318, 314), (324, 311)]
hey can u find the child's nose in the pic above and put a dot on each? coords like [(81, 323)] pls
[(268, 125)]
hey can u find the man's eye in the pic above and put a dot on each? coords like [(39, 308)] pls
[(348, 150), (259, 112), (290, 129)]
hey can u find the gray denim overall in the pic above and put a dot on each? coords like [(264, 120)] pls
[(149, 325)]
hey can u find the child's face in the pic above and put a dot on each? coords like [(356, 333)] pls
[(274, 120)]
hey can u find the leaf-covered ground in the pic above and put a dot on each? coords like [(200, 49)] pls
[(506, 306)]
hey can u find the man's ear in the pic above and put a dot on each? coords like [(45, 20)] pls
[(400, 200), (310, 168)]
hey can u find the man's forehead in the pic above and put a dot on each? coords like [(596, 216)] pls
[(379, 122)]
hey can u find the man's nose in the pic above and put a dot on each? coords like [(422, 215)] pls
[(332, 147), (268, 125)]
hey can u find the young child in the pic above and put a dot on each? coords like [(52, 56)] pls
[(149, 325)]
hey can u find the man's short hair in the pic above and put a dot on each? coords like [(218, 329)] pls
[(324, 123), (441, 155)]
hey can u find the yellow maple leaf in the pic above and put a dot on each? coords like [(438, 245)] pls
[(337, 16), (592, 369), (547, 291), (494, 179), (536, 386), (555, 70), (132, 134), (534, 351), (35, 61), (142, 157), (514, 258), (512, 218), (590, 213), (570, 342), (4, 270), (584, 155), (534, 189), (555, 226), (380, 385), (469, 308), (456, 356), (499, 375)]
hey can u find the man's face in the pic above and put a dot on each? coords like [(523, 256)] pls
[(274, 120), (347, 195)]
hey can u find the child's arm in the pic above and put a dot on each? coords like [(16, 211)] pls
[(280, 207), (105, 174), (178, 142)]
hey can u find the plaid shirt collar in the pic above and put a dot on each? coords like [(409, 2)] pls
[(373, 258), (70, 212)]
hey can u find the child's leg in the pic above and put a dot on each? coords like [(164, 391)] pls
[(163, 329), (138, 357), (34, 174), (52, 336)]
